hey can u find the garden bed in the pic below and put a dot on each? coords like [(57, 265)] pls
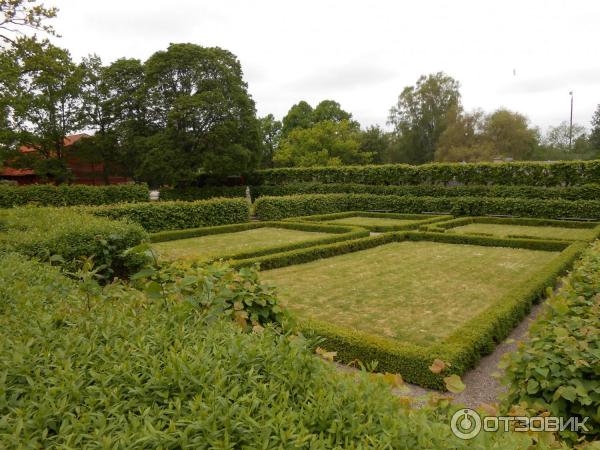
[(404, 299), (247, 240), (567, 230), (376, 221)]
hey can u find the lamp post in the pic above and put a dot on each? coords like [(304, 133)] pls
[(571, 123)]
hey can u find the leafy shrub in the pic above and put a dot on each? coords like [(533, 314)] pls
[(129, 371), (557, 370), (179, 215), (71, 195), (48, 232), (583, 192), (516, 173), (277, 208)]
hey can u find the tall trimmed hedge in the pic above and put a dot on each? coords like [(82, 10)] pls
[(202, 193), (277, 208), (515, 173), (583, 192), (178, 215), (71, 195)]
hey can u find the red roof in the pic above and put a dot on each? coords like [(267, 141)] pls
[(12, 172)]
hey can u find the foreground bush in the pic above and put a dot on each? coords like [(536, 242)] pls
[(179, 215), (46, 233), (558, 369), (126, 371), (71, 195), (277, 208)]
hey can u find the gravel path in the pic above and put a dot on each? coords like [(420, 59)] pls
[(481, 386)]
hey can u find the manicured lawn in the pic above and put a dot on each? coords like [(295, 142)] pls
[(413, 291), (373, 221), (211, 246), (523, 230)]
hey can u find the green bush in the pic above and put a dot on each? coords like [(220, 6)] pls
[(49, 232), (277, 208), (584, 192), (516, 173), (462, 349), (338, 233), (557, 369), (127, 371), (202, 193), (71, 195), (178, 215)]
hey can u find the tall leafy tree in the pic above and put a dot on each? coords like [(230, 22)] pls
[(327, 143), (44, 104), (595, 132), (330, 110), (564, 137), (421, 115), (270, 130), (200, 103), (376, 141), (463, 139), (299, 116), (510, 134)]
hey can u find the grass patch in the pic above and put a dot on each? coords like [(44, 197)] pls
[(569, 234), (410, 291), (247, 241)]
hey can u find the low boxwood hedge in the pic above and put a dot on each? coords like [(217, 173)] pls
[(277, 208), (338, 233), (463, 348), (202, 193), (71, 195), (177, 215), (557, 369), (448, 225), (415, 220)]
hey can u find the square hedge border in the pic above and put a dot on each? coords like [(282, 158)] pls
[(447, 226), (467, 344), (340, 233), (417, 219)]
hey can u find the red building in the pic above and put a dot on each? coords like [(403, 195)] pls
[(83, 172)]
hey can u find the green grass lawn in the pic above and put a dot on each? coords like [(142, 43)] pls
[(413, 291), (523, 230), (215, 245), (372, 221)]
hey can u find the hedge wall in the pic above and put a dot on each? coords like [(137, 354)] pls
[(71, 195), (276, 208), (202, 193), (516, 173), (583, 192), (178, 215)]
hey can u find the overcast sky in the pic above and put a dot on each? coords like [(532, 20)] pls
[(523, 55)]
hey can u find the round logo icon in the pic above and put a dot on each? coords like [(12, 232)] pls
[(465, 423)]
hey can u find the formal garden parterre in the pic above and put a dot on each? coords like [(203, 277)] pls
[(427, 288)]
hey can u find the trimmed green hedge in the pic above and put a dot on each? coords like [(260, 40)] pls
[(161, 216), (202, 193), (584, 192), (445, 226), (416, 220), (127, 371), (71, 195), (515, 173), (45, 232), (557, 369), (462, 349), (339, 233), (277, 208)]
